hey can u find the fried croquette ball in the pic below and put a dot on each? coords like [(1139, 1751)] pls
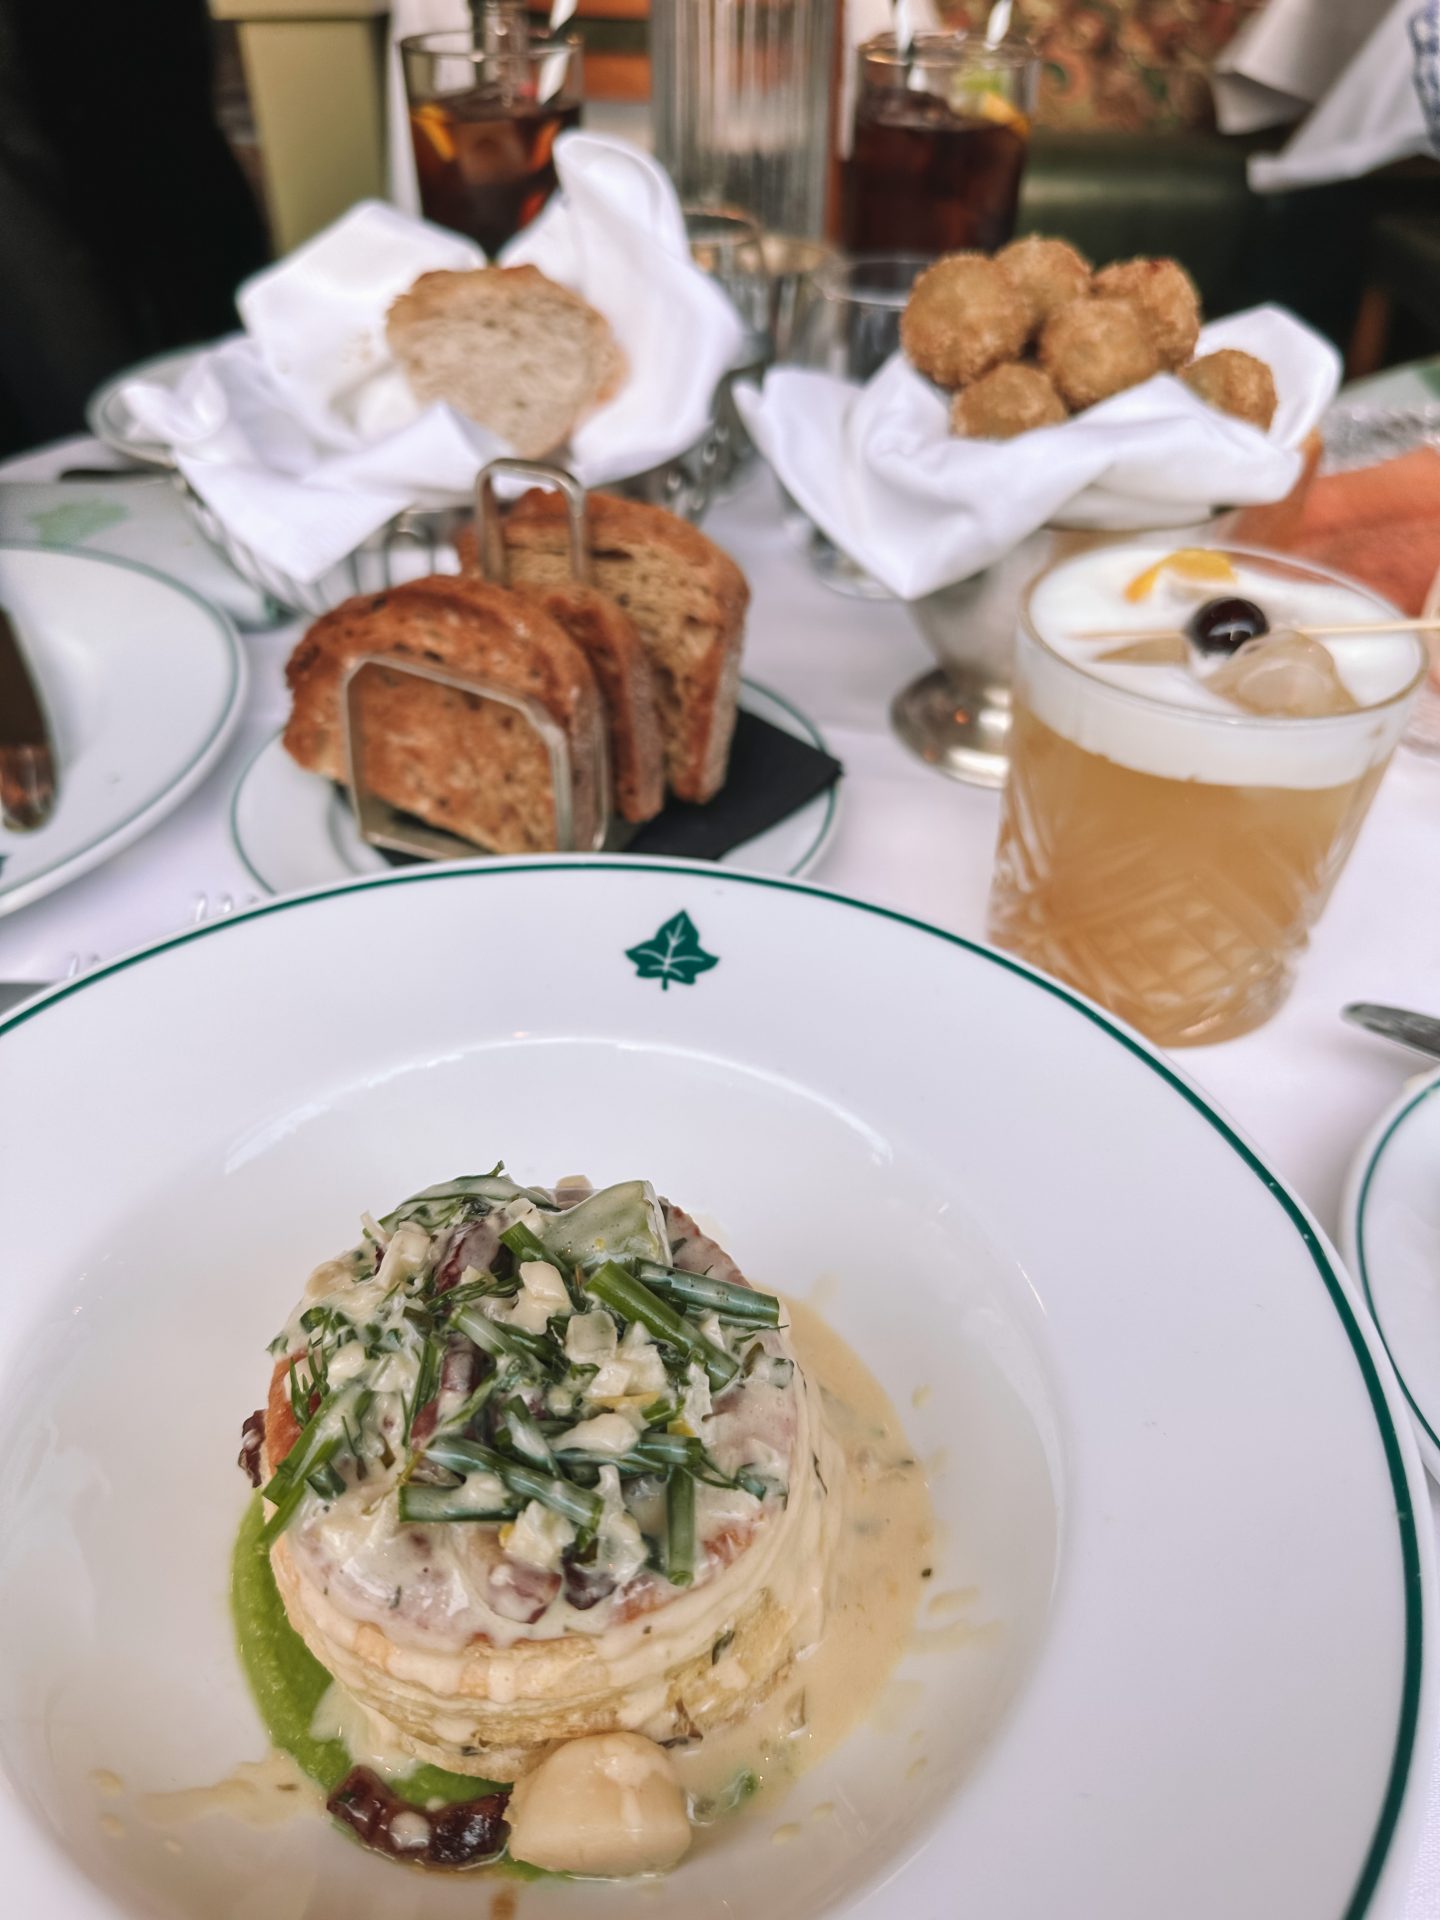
[(1049, 273), (964, 316), (1165, 296), (1008, 400), (1094, 348), (1236, 383)]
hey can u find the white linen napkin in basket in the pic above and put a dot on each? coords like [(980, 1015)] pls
[(878, 470), (302, 435)]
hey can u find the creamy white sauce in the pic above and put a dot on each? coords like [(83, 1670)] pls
[(261, 1793), (867, 1601)]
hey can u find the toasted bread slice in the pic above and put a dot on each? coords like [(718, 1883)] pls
[(509, 349), (452, 759), (606, 635), (686, 598)]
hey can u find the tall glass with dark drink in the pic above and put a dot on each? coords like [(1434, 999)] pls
[(942, 132), (487, 104)]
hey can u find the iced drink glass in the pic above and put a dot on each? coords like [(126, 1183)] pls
[(1181, 802), (942, 134), (486, 107)]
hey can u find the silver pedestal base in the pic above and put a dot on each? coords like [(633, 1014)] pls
[(957, 719)]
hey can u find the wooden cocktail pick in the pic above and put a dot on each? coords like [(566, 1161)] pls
[(1417, 625)]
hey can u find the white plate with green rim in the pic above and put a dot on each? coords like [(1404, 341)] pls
[(1390, 1228), (142, 682), (294, 830), (1171, 1467)]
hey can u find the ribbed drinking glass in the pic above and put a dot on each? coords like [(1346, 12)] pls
[(740, 95)]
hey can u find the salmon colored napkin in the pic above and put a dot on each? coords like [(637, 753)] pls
[(1379, 524)]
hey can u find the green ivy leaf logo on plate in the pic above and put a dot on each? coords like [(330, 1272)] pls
[(674, 953)]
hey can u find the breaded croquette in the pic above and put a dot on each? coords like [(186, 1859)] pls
[(1049, 273), (1165, 297), (964, 316), (1008, 400), (1094, 348), (1236, 383)]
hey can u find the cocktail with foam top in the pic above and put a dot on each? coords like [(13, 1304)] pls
[(1193, 754)]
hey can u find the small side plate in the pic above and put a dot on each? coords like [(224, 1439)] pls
[(293, 830), (143, 684)]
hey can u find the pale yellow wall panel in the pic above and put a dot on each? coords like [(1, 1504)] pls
[(317, 92)]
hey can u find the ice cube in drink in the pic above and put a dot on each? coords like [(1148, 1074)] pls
[(1284, 673), (1175, 821)]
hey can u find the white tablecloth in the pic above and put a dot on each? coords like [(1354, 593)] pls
[(1305, 1087)]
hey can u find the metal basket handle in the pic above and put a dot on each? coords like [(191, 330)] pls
[(489, 523)]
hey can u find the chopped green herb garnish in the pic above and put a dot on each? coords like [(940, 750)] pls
[(562, 1496), (524, 1244), (723, 1297), (633, 1300), (680, 1528), (510, 1343)]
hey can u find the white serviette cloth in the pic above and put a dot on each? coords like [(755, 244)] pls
[(878, 470), (302, 435), (1371, 115), (1283, 59)]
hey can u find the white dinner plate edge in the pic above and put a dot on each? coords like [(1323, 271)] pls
[(1396, 1834), (1352, 1235)]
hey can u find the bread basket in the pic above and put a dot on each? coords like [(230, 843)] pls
[(417, 540)]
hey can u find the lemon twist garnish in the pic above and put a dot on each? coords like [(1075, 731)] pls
[(995, 107), (1190, 563), (433, 123)]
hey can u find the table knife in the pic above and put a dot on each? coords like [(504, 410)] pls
[(27, 762), (1418, 1031)]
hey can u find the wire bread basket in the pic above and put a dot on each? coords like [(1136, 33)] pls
[(418, 540)]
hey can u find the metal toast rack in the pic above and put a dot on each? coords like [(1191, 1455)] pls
[(383, 825)]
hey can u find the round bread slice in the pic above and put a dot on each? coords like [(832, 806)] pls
[(509, 349), (452, 759)]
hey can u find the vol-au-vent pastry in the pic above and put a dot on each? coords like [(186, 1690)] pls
[(546, 1490)]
